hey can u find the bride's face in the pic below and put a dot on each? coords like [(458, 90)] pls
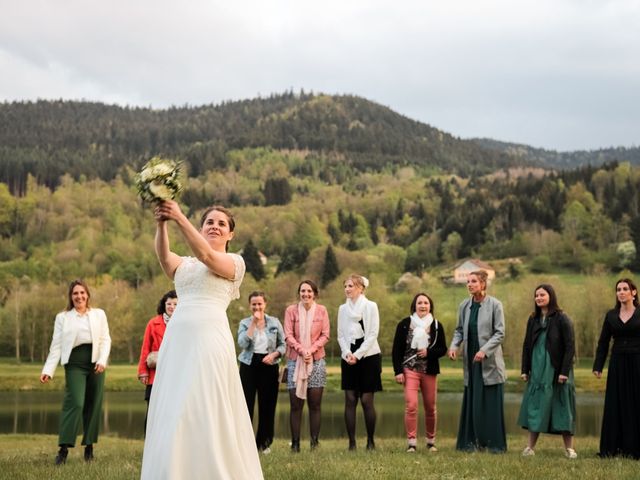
[(216, 229)]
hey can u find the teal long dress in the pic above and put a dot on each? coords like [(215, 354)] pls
[(547, 406), (482, 418)]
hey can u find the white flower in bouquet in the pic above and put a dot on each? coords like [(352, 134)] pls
[(162, 169), (160, 191), (159, 179)]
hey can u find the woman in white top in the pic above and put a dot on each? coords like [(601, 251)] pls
[(358, 325), (81, 343)]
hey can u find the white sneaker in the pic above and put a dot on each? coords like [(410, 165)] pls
[(570, 453), (528, 452), (266, 451)]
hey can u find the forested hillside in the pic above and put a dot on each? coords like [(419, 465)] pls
[(50, 139), (563, 160)]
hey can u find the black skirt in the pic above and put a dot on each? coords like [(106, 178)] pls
[(620, 435), (364, 376)]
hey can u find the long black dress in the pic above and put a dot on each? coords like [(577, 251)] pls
[(620, 433)]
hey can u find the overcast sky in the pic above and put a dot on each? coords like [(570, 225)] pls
[(557, 74)]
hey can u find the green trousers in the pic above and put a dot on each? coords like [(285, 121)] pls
[(82, 399)]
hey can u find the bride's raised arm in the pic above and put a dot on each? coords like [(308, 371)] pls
[(217, 260), (169, 261)]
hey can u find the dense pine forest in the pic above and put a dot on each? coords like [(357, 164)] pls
[(320, 185)]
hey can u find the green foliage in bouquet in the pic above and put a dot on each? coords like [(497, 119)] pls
[(159, 179)]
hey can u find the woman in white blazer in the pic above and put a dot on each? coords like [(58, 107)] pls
[(81, 343), (361, 365)]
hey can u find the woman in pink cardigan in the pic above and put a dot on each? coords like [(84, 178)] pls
[(306, 332)]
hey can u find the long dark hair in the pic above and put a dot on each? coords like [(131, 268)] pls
[(415, 301), (72, 285), (162, 308), (553, 301), (632, 287)]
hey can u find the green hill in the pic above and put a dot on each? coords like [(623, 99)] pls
[(562, 160), (48, 139)]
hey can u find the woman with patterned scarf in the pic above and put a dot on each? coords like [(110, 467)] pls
[(306, 332), (361, 366)]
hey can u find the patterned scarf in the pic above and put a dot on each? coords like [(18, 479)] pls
[(303, 370)]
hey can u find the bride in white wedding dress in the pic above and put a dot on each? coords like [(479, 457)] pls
[(198, 424)]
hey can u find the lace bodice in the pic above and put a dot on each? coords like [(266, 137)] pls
[(194, 281)]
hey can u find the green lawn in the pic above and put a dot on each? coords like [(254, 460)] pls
[(30, 457)]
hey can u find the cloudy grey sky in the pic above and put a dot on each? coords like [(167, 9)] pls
[(557, 74)]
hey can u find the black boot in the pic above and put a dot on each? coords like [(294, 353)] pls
[(371, 445), (61, 458), (352, 444), (314, 443), (295, 446), (88, 453)]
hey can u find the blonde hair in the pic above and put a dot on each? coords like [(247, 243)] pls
[(483, 276), (358, 280)]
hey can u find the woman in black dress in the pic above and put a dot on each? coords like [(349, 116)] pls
[(620, 433)]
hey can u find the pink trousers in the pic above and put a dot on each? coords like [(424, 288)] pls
[(428, 385)]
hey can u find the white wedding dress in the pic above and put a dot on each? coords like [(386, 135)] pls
[(198, 425)]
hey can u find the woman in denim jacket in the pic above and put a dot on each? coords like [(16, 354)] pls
[(261, 338)]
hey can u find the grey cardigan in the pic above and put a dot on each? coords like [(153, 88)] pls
[(490, 337)]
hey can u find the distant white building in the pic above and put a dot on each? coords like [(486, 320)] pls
[(461, 272)]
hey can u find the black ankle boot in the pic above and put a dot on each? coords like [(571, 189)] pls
[(295, 446), (352, 445), (371, 445), (314, 443), (88, 453), (61, 458)]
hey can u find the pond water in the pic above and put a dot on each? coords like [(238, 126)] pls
[(123, 414)]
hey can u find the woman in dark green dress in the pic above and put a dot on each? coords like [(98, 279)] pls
[(549, 402), (480, 331)]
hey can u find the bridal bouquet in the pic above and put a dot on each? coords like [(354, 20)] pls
[(159, 179)]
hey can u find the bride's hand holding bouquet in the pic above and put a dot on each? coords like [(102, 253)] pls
[(168, 210)]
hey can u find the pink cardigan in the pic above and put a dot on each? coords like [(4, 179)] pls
[(319, 332)]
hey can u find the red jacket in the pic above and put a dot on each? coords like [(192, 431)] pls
[(151, 343)]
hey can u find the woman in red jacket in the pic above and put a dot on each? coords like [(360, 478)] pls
[(151, 343)]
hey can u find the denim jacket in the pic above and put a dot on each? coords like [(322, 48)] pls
[(275, 338)]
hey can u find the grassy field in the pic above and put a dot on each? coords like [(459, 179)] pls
[(122, 378), (30, 457)]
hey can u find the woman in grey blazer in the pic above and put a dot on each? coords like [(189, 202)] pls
[(480, 331)]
